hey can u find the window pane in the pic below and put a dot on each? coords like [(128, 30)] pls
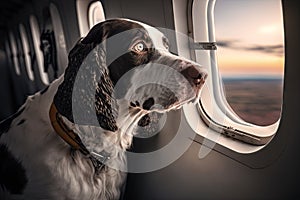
[(250, 37)]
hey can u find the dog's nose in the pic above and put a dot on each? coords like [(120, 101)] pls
[(194, 75), (148, 103)]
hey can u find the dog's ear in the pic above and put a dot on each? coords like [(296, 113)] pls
[(85, 95)]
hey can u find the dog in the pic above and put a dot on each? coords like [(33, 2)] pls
[(68, 140)]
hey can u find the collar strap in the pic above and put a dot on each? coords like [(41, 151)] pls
[(72, 138)]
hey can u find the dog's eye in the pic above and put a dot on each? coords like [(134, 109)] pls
[(139, 47)]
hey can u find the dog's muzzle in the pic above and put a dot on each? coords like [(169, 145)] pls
[(194, 75)]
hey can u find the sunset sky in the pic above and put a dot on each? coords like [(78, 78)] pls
[(250, 38)]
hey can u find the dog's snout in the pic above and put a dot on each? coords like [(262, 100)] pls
[(194, 75)]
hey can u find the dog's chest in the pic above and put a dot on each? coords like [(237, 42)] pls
[(63, 178), (52, 171)]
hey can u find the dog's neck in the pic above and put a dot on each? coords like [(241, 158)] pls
[(100, 146), (67, 133)]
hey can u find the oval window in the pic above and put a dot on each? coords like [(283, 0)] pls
[(96, 13), (35, 31), (26, 51), (14, 52), (250, 39)]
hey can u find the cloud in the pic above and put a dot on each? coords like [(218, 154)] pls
[(273, 49), (226, 43), (277, 49)]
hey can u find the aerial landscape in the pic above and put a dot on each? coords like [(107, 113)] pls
[(256, 100)]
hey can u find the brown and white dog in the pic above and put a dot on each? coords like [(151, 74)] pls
[(67, 141)]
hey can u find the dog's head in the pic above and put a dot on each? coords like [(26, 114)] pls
[(123, 64)]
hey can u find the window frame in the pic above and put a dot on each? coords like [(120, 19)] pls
[(82, 8), (91, 13), (223, 126), (26, 51), (60, 41), (35, 33), (220, 96), (14, 53), (8, 52)]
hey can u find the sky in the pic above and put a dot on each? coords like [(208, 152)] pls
[(250, 37)]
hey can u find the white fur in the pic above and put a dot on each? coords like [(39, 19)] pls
[(51, 171)]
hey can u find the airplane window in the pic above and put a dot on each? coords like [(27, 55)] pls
[(8, 52), (26, 51), (241, 44), (60, 43), (96, 13), (14, 53), (35, 31), (250, 55), (89, 13)]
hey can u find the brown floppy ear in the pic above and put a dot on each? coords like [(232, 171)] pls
[(85, 95)]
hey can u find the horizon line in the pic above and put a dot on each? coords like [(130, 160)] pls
[(252, 76)]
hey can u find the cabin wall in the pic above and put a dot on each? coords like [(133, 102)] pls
[(6, 88), (15, 87)]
